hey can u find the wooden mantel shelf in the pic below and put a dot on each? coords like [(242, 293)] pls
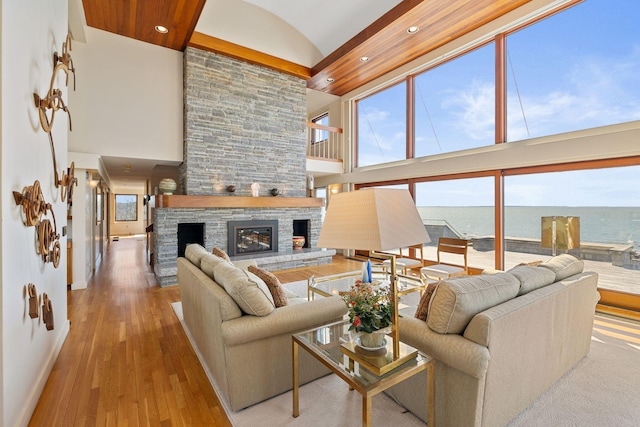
[(181, 201)]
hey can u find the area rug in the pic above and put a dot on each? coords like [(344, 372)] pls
[(602, 389)]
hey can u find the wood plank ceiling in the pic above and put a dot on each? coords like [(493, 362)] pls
[(137, 19), (385, 42)]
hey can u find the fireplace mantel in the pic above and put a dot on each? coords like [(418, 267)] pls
[(182, 201)]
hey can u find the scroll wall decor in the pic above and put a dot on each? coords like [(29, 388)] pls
[(49, 105), (34, 207)]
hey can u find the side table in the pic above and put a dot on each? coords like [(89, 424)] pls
[(326, 345)]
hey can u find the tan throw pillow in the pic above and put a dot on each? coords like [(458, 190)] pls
[(456, 301), (247, 290), (209, 262), (221, 253), (272, 282), (423, 306), (194, 253), (531, 278), (564, 266)]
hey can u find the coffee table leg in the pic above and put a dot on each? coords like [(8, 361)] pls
[(294, 357), (431, 393), (366, 411)]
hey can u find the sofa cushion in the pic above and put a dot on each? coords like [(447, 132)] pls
[(456, 301), (563, 266), (194, 253), (208, 263), (247, 290), (423, 306), (532, 278), (220, 253), (272, 282)]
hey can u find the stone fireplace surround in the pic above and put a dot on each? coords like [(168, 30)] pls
[(243, 124)]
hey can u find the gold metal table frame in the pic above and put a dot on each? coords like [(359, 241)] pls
[(331, 345)]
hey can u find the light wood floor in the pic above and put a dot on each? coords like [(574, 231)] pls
[(127, 360)]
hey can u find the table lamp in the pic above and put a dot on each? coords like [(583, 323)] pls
[(374, 219)]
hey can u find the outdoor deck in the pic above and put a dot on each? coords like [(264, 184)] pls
[(610, 277)]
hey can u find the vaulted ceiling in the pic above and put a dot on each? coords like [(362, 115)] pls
[(338, 33)]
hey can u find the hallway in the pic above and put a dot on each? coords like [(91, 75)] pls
[(126, 360)]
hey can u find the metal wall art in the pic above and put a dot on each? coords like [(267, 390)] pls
[(47, 236), (50, 104)]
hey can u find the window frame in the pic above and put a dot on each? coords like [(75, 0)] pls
[(115, 213)]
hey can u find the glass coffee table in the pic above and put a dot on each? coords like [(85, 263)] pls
[(334, 284), (332, 346)]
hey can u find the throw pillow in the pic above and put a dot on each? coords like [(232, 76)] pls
[(564, 265), (531, 278), (458, 300), (247, 290), (209, 262), (194, 253), (272, 282), (530, 263), (423, 306), (221, 253)]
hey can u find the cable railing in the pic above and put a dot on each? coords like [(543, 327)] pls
[(324, 142)]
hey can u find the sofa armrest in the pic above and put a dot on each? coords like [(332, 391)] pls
[(283, 320), (451, 349)]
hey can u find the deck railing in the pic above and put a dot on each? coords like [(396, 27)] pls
[(324, 142)]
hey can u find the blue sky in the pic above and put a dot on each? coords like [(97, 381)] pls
[(576, 70)]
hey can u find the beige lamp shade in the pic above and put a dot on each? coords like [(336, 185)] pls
[(375, 219)]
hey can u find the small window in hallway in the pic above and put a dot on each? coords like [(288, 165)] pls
[(126, 207)]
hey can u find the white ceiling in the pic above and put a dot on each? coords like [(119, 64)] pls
[(327, 24), (303, 32)]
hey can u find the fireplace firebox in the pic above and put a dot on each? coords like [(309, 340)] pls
[(189, 233), (255, 236)]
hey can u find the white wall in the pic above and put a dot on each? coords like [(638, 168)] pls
[(31, 32), (129, 98)]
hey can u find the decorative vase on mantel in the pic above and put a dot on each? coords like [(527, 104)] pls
[(167, 186)]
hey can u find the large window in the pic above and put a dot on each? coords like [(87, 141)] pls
[(607, 203), (575, 70), (460, 208), (455, 104), (126, 207), (382, 126)]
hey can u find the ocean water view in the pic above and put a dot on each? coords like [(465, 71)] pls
[(614, 225)]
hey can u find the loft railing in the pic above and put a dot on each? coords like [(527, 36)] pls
[(324, 142)]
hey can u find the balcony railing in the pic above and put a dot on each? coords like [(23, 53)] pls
[(324, 142)]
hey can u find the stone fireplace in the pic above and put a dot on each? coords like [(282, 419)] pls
[(243, 125)]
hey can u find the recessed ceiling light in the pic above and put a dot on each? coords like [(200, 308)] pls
[(413, 29), (330, 79), (364, 59), (161, 29)]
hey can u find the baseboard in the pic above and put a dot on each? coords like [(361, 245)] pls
[(47, 367)]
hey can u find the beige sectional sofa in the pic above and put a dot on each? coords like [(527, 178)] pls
[(243, 341), (500, 340)]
